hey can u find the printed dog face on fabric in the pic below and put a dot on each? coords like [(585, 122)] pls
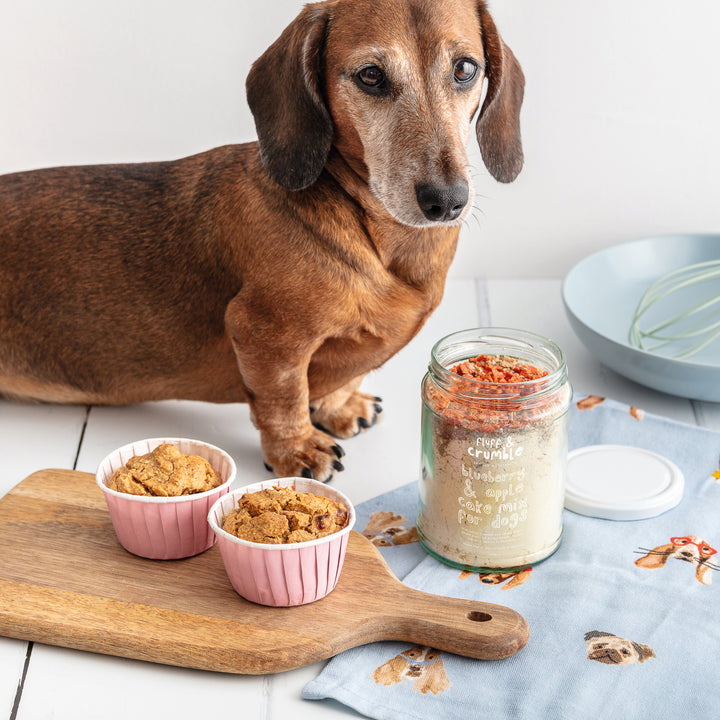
[(511, 579), (613, 650), (689, 548), (423, 666), (385, 529)]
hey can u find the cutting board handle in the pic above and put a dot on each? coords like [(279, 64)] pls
[(474, 629)]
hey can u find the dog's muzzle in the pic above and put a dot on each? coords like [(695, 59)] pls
[(442, 203)]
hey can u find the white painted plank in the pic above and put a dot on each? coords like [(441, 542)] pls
[(12, 660), (286, 701), (71, 685), (33, 437), (227, 426)]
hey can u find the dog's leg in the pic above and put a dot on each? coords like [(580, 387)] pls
[(347, 411), (273, 359), (294, 448), (291, 445)]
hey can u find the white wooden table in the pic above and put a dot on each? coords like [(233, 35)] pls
[(40, 681)]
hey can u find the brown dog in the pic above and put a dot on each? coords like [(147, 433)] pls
[(423, 666), (277, 273), (610, 649), (688, 548), (386, 529)]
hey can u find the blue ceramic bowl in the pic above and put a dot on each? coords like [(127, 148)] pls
[(601, 293)]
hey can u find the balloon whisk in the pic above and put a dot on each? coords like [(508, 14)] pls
[(683, 328)]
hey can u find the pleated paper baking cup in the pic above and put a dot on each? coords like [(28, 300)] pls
[(286, 574), (164, 528)]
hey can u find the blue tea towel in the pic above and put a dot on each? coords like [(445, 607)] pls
[(624, 618)]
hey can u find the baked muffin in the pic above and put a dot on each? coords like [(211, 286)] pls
[(281, 515), (165, 472), (271, 569)]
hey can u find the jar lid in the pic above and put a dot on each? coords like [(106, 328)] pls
[(619, 482)]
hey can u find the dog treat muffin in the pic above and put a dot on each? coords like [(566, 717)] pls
[(280, 515), (165, 472), (283, 541)]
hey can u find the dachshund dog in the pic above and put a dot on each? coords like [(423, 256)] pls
[(613, 650), (278, 272), (385, 529), (421, 665), (689, 548)]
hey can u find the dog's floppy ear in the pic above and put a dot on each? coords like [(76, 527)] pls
[(284, 92), (498, 125), (702, 574), (656, 558), (644, 652), (390, 672), (433, 680)]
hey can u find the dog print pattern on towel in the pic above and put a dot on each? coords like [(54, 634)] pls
[(506, 579), (385, 529), (689, 548), (610, 649), (420, 665), (592, 401)]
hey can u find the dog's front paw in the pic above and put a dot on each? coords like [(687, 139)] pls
[(359, 412), (317, 457)]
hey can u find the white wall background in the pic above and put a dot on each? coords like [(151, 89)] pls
[(621, 119)]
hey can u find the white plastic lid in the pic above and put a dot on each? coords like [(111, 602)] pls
[(619, 482)]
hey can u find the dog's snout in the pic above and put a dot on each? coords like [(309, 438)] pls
[(442, 203)]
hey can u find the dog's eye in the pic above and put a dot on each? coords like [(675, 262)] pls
[(464, 70), (371, 79), (371, 75)]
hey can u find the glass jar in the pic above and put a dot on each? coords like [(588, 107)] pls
[(494, 454)]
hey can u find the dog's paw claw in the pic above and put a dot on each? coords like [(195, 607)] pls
[(336, 466), (359, 413), (314, 457)]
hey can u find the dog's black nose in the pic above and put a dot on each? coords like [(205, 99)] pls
[(442, 203)]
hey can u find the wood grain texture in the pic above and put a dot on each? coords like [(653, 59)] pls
[(65, 580)]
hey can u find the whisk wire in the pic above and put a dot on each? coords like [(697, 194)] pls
[(687, 325)]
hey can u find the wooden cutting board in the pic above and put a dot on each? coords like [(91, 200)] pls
[(65, 580)]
